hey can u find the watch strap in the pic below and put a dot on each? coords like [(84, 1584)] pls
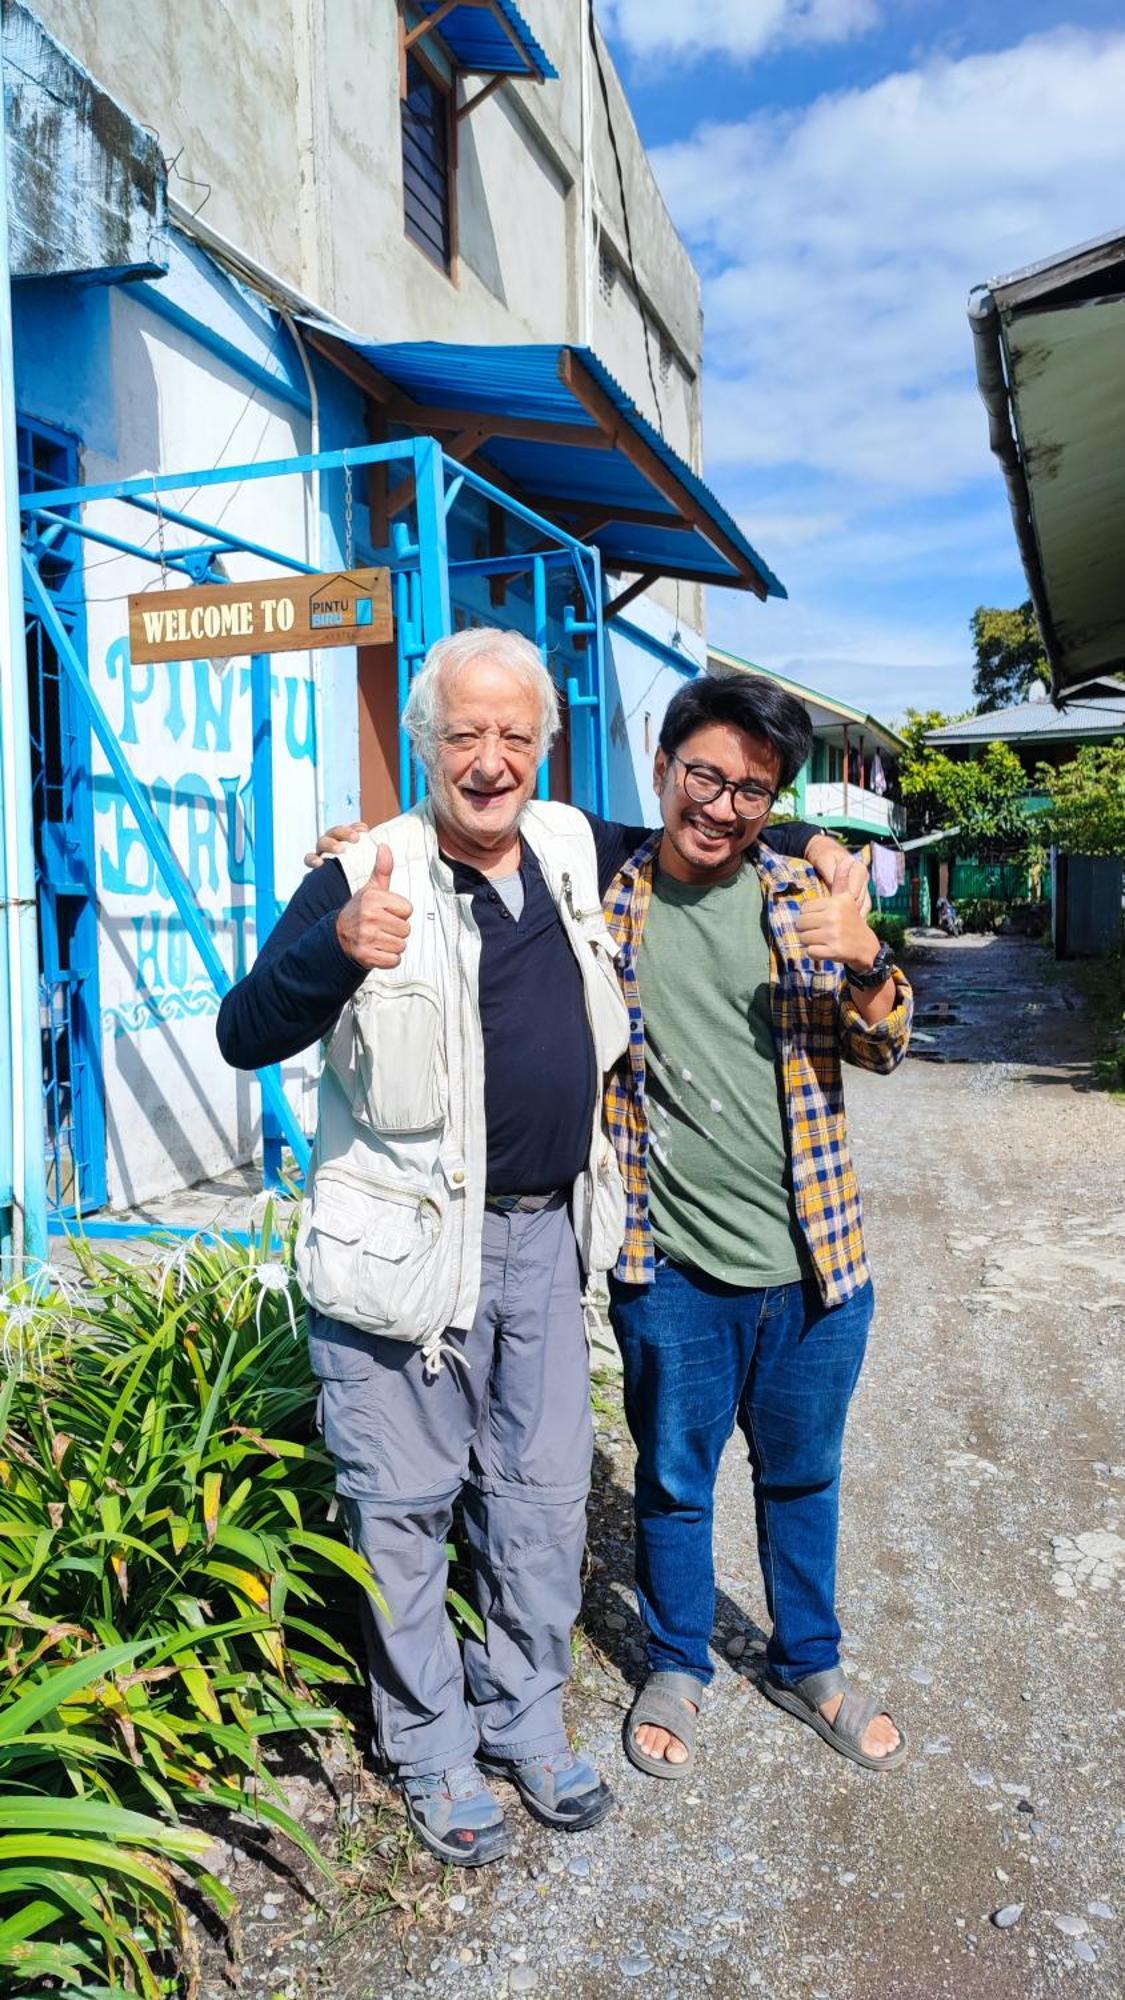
[(879, 973)]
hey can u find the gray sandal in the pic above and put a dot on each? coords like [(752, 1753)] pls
[(853, 1717), (660, 1705)]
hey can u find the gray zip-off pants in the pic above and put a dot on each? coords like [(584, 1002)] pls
[(512, 1431)]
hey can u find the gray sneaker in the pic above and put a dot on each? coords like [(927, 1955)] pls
[(559, 1789), (456, 1816)]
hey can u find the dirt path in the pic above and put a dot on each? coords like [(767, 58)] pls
[(982, 1582)]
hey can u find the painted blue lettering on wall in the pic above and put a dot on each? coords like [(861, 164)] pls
[(174, 713), (305, 745), (137, 684), (239, 796), (189, 812), (211, 716), (197, 796), (212, 697), (166, 961)]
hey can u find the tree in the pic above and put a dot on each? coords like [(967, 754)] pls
[(917, 726), (1087, 810), (1009, 656), (982, 797)]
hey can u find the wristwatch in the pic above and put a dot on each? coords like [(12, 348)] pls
[(879, 973)]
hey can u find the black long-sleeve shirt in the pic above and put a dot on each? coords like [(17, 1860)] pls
[(538, 1058)]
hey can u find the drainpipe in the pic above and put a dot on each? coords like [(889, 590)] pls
[(24, 1234), (315, 555), (992, 382), (586, 29)]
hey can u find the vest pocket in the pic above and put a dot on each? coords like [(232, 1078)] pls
[(607, 1209), (366, 1254), (399, 1077), (609, 1016)]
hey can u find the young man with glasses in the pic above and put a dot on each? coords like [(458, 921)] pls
[(742, 1294)]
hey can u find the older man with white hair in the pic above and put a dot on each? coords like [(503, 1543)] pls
[(456, 965)]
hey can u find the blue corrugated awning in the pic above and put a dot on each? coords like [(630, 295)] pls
[(488, 38), (552, 423)]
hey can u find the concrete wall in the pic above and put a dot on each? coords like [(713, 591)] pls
[(281, 117)]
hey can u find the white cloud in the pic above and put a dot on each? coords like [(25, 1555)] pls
[(838, 244), (738, 28), (880, 661)]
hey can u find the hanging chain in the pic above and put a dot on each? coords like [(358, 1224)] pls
[(160, 535), (348, 531)]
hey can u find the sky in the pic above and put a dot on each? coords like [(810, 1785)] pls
[(843, 173)]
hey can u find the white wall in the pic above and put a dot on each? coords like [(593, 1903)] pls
[(175, 1113), (282, 117), (640, 684)]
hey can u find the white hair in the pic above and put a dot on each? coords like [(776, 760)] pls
[(421, 716)]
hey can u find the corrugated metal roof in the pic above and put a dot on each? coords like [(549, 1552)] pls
[(478, 41), (567, 478), (1080, 719), (1049, 347), (827, 707)]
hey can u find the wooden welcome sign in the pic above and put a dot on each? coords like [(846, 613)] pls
[(287, 614)]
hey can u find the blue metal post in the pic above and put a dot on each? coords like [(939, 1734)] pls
[(23, 1172), (156, 841), (539, 593), (599, 719), (265, 873), (433, 547), (433, 617)]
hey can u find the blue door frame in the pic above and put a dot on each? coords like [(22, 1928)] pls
[(63, 826), (421, 566)]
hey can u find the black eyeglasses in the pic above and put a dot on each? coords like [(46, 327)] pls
[(703, 786)]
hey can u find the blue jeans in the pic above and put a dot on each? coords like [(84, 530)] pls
[(700, 1356)]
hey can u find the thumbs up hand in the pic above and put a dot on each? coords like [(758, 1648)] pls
[(833, 927), (374, 924)]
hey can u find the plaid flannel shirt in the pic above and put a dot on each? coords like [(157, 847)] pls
[(815, 1025)]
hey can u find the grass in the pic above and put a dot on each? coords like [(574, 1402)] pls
[(1102, 982)]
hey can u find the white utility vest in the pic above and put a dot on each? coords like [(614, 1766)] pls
[(390, 1233)]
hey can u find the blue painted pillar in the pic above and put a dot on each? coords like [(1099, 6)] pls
[(539, 585), (265, 872), (23, 1174), (433, 550), (432, 617)]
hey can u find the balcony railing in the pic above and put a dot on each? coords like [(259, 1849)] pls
[(853, 805)]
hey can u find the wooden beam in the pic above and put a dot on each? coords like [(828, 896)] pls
[(429, 417), (598, 405), (356, 368), (487, 90), (641, 517), (431, 22), (684, 572), (639, 584)]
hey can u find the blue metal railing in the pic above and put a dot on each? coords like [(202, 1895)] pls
[(421, 586)]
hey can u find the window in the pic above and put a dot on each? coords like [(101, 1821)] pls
[(426, 163), (607, 275), (665, 359)]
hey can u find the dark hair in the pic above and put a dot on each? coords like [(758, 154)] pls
[(745, 701)]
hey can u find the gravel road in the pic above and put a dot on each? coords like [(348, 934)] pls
[(982, 1583)]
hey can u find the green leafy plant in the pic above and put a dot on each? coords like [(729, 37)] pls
[(1086, 810), (892, 931), (168, 1572)]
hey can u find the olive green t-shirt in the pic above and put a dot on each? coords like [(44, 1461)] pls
[(720, 1186)]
